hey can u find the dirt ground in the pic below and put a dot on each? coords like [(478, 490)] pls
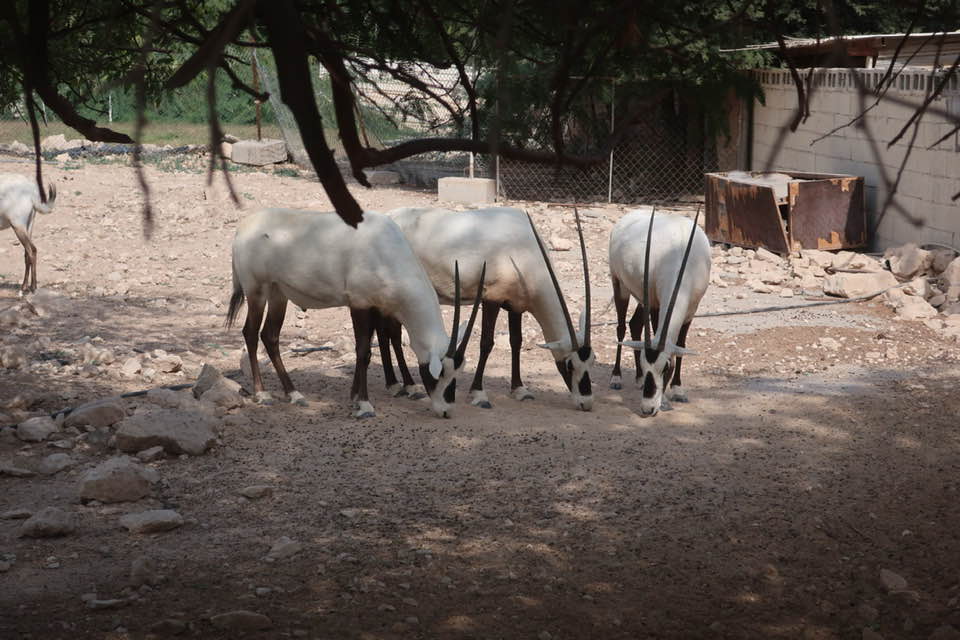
[(767, 507)]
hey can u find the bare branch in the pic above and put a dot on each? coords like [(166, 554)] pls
[(229, 28)]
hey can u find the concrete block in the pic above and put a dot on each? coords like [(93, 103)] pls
[(382, 177), (466, 190), (259, 152)]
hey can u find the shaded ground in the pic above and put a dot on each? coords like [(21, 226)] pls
[(766, 507)]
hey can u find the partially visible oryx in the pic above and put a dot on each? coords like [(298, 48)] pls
[(665, 264), (19, 201), (520, 278), (316, 261)]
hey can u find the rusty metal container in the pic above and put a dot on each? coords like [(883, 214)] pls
[(785, 211)]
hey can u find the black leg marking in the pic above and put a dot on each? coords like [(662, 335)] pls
[(383, 342), (621, 305), (681, 342), (488, 325), (516, 341), (276, 312), (364, 323), (251, 328)]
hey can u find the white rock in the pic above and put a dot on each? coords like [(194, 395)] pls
[(786, 292), (257, 491), (151, 455), (55, 463), (223, 393), (772, 277), (951, 276), (131, 367), (892, 581), (283, 548), (102, 413), (559, 243), (917, 287), (209, 374), (941, 259), (166, 398), (49, 522), (937, 300), (854, 285), (152, 521), (175, 430), (829, 343), (758, 287), (119, 479), (13, 357), (817, 257), (768, 256), (908, 261), (36, 429), (851, 260), (915, 308), (168, 364), (241, 620)]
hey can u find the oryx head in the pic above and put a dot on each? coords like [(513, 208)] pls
[(657, 356), (576, 354), (439, 375)]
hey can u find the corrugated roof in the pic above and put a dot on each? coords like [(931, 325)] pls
[(883, 41)]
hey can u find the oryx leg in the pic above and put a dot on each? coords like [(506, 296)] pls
[(621, 303), (410, 388), (270, 335), (251, 330), (394, 388), (29, 260), (364, 323), (517, 390), (676, 391), (636, 332), (488, 325)]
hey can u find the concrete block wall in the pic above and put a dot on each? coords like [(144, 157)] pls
[(931, 176)]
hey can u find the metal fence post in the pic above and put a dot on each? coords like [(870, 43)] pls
[(613, 105)]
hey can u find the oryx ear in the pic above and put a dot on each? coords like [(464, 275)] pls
[(436, 367), (552, 345), (632, 344)]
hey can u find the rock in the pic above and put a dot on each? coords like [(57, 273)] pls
[(817, 257), (917, 287), (166, 398), (103, 413), (937, 300), (758, 287), (768, 256), (892, 581), (168, 627), (857, 261), (558, 243), (55, 463), (259, 152), (226, 150), (36, 429), (908, 261), (951, 277), (49, 522), (131, 367), (382, 177), (152, 521), (16, 514), (114, 603), (735, 260), (119, 479), (207, 378), (224, 393), (941, 259), (241, 621), (144, 570), (54, 143), (11, 469), (786, 292), (914, 308), (151, 455), (168, 363), (854, 285), (176, 430), (283, 548), (13, 357), (772, 277), (257, 491), (829, 343)]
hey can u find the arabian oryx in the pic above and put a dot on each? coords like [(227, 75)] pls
[(664, 262), (317, 261), (520, 278), (19, 201)]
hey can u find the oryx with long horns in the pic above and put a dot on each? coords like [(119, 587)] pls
[(519, 279), (317, 261), (664, 262)]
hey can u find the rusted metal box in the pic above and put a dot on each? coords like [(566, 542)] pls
[(785, 211)]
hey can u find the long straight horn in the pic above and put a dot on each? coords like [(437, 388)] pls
[(586, 280), (452, 349), (473, 314), (556, 285), (646, 283), (676, 288)]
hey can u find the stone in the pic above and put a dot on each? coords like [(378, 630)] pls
[(36, 429), (558, 243), (16, 514), (103, 413), (131, 367), (829, 343), (940, 259), (144, 570), (856, 261), (892, 581), (257, 491), (915, 308), (13, 357), (758, 287), (209, 374), (382, 177), (113, 603), (151, 455), (226, 150), (241, 620), (772, 277), (168, 627), (908, 261), (917, 287), (937, 300), (466, 190), (176, 430), (768, 256), (259, 152), (951, 278), (855, 285), (50, 522), (55, 463), (152, 521), (224, 393), (817, 257), (283, 548), (786, 292), (169, 363), (166, 398), (55, 143), (734, 259), (119, 479)]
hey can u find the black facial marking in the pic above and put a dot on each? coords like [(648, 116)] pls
[(458, 360), (566, 371), (429, 382), (651, 354), (649, 385), (584, 353), (584, 385), (450, 393)]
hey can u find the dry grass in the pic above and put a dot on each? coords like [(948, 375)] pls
[(172, 133)]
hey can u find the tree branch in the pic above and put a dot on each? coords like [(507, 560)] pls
[(225, 32)]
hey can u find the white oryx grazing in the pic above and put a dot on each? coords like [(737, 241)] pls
[(19, 201), (664, 262), (519, 279), (317, 261)]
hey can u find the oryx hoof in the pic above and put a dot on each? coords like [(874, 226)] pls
[(478, 398), (415, 392), (264, 398), (665, 405), (397, 390), (297, 398), (521, 393), (616, 383), (364, 410), (677, 394)]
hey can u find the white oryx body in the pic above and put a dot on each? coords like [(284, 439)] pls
[(668, 274), (317, 261), (518, 279), (19, 202)]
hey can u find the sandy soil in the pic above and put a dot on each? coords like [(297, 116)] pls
[(765, 508)]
